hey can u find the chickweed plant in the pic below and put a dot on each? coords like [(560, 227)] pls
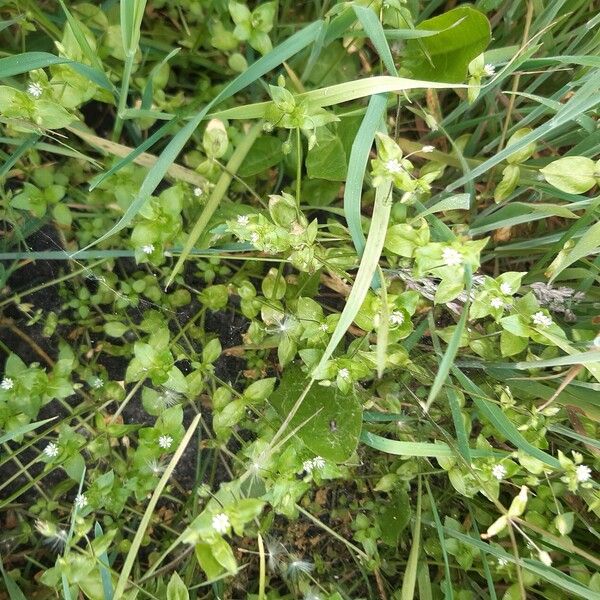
[(299, 300)]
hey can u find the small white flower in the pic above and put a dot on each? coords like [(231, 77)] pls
[(344, 373), (307, 465), (428, 149), (489, 70), (499, 472), (97, 383), (393, 166), (35, 89), (545, 558), (148, 249), (583, 473), (542, 320), (243, 220), (51, 450), (220, 523), (198, 192), (397, 318), (323, 327), (502, 562), (254, 238), (506, 289), (497, 303), (452, 257), (165, 441), (7, 384), (80, 501), (318, 462)]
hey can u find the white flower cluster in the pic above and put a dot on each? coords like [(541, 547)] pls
[(220, 523), (318, 462)]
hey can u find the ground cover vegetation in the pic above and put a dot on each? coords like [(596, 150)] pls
[(299, 299)]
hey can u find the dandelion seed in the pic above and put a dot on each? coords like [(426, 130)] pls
[(35, 89), (489, 70), (154, 467), (165, 441), (198, 192), (7, 384), (452, 257), (428, 149), (148, 249), (51, 450), (499, 472), (220, 523), (497, 303), (298, 566), (344, 373), (275, 551), (318, 462), (583, 473), (57, 537), (80, 501), (397, 318), (243, 220), (545, 558), (541, 320), (506, 289), (393, 166)]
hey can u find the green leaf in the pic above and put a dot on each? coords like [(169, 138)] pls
[(587, 245), (410, 572), (464, 33), (223, 554), (329, 421), (395, 517), (176, 589), (207, 561), (571, 174), (265, 153), (327, 159)]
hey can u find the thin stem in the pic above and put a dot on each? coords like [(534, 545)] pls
[(123, 95)]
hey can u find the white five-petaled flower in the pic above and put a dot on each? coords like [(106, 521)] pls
[(344, 373), (51, 450), (97, 383), (318, 462), (80, 501), (35, 89), (452, 257), (393, 166), (499, 472), (198, 192), (165, 441), (583, 473), (254, 237), (428, 149), (148, 249), (497, 303), (489, 70), (7, 384), (397, 318), (243, 220), (541, 320), (220, 523), (506, 289)]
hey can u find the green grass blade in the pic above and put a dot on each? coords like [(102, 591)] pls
[(440, 531), (448, 359), (217, 194), (148, 513), (14, 433), (410, 573), (418, 448), (107, 587), (498, 419), (14, 591), (366, 270), (462, 439), (374, 30), (359, 156)]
